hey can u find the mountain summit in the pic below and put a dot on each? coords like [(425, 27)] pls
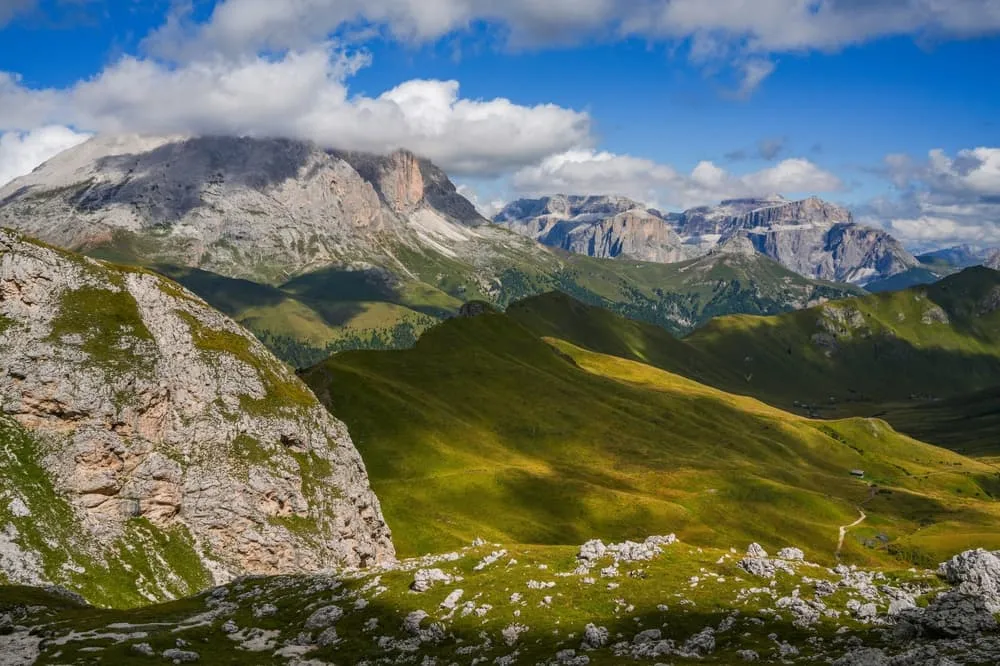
[(606, 227), (812, 237), (263, 209)]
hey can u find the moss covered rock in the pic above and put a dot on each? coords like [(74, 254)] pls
[(158, 424)]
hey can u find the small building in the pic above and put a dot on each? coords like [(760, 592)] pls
[(860, 473)]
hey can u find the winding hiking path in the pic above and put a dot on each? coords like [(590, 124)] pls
[(843, 531)]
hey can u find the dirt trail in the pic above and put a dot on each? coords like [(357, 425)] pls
[(843, 531)]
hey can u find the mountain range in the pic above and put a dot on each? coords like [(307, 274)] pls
[(811, 237), (577, 460), (318, 250)]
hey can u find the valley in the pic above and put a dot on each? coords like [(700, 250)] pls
[(483, 431)]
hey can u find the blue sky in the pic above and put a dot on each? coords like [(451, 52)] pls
[(674, 102)]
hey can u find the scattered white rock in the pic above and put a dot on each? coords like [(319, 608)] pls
[(425, 579)]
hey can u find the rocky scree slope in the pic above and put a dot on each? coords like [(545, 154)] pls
[(811, 237), (147, 418), (653, 601)]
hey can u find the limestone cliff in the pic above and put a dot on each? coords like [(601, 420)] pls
[(812, 237), (154, 424), (605, 227)]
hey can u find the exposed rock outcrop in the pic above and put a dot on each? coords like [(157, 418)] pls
[(154, 412)]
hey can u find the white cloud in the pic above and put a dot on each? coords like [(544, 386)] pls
[(761, 26), (487, 206), (754, 72), (303, 94), (942, 200), (735, 36), (589, 172), (20, 152)]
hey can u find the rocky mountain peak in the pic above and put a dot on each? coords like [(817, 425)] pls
[(813, 237), (598, 226), (257, 208), (564, 206), (406, 182)]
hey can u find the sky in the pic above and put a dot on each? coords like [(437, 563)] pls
[(887, 106)]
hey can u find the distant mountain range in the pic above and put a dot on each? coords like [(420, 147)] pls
[(814, 238), (318, 250), (963, 256)]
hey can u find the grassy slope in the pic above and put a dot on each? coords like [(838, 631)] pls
[(886, 362), (307, 317), (486, 430)]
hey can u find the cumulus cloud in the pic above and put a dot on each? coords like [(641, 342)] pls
[(20, 152), (303, 94), (762, 26), (943, 199), (486, 205), (732, 36), (590, 172)]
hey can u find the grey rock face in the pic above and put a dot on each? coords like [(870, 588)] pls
[(812, 237), (606, 227), (263, 209), (154, 406), (993, 260), (955, 613), (406, 181), (976, 572)]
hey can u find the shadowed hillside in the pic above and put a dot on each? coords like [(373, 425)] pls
[(484, 429), (883, 354)]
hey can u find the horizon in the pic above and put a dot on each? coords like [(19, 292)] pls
[(675, 104)]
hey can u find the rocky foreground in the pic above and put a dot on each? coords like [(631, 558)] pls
[(658, 602)]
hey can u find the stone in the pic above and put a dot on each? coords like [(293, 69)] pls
[(452, 599), (323, 617), (701, 643), (592, 550), (647, 636), (791, 554), (762, 568), (425, 579), (976, 573), (594, 637), (181, 656), (328, 637), (512, 633), (755, 550), (955, 613), (863, 657)]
